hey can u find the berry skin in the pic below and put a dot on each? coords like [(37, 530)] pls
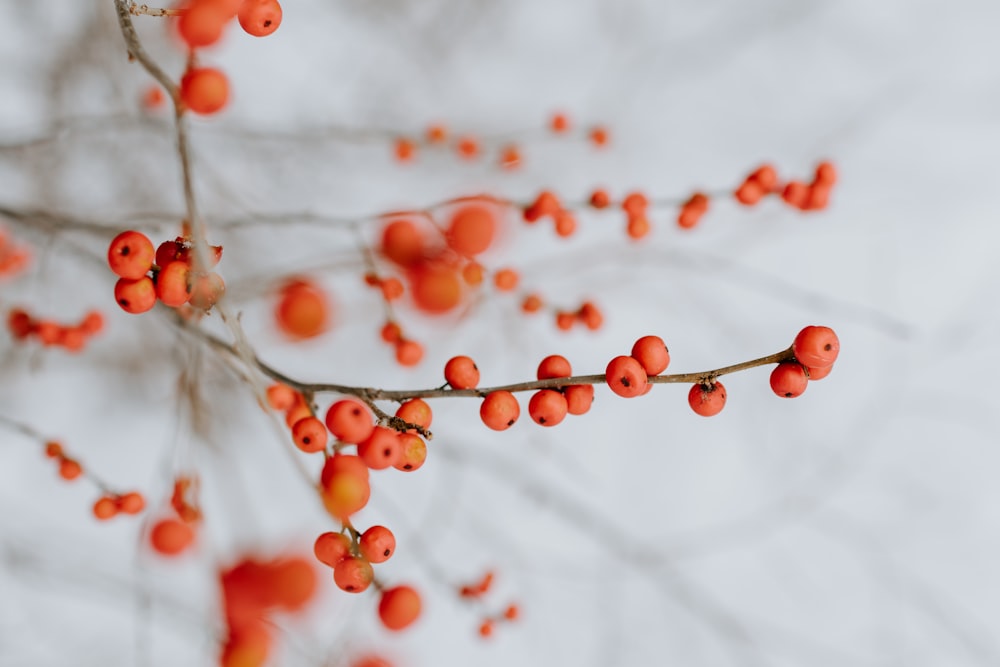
[(350, 420), (135, 296), (402, 242), (69, 469), (707, 399), (382, 449), (131, 503), (599, 199), (309, 435), (749, 193), (399, 607), (416, 411), (391, 332), (260, 18), (579, 398), (353, 575), (303, 310), (818, 373), (409, 352), (414, 452), (652, 353), (331, 548), (105, 508), (377, 544), (131, 255), (637, 227), (461, 373), (345, 492), (789, 379), (499, 410), (53, 449), (201, 23), (172, 286), (506, 280), (204, 90), (626, 377), (170, 537), (547, 407), (554, 366), (816, 347), (281, 396), (766, 177)]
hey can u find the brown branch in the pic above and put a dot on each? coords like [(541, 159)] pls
[(146, 10)]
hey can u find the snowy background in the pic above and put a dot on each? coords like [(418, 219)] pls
[(856, 525)]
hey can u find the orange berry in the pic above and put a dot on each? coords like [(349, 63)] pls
[(637, 227), (350, 420), (707, 399), (486, 628), (331, 548), (789, 379), (689, 217), (20, 324), (353, 574), (92, 323), (303, 310), (105, 508), (281, 396), (510, 157), (292, 583), (248, 644), (511, 613), (565, 320), (599, 136), (817, 198), (170, 537), (131, 502), (816, 347), (206, 290), (298, 411), (260, 17), (546, 204), (382, 449), (565, 223), (436, 287), (471, 229), (172, 286), (652, 353), (69, 469), (472, 273), (399, 607), (635, 204), (48, 331), (72, 338), (626, 377), (345, 492), (414, 452), (392, 288), (135, 296), (204, 90), (599, 199), (554, 366), (409, 352), (309, 435), (346, 464), (437, 134), (766, 177), (468, 148), (499, 410), (377, 544), (579, 398), (201, 23), (404, 149), (461, 373), (53, 449), (506, 280), (559, 123), (416, 411), (152, 97), (532, 303), (591, 316), (749, 193), (547, 407), (795, 194), (131, 255), (391, 332), (826, 174)]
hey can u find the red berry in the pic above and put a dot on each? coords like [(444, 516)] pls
[(789, 379), (707, 399), (652, 353), (579, 398), (135, 296), (377, 544), (131, 255), (399, 607), (260, 17), (414, 452), (499, 410), (350, 420), (309, 435), (330, 548), (461, 373), (816, 347), (554, 366), (204, 90), (353, 574), (382, 449), (626, 377), (548, 407)]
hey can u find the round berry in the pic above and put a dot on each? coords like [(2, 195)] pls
[(382, 449), (499, 410), (260, 17), (471, 229), (303, 310), (350, 420), (69, 469), (707, 399), (414, 452), (309, 435), (135, 296), (547, 407), (204, 90), (818, 373), (172, 286), (399, 607), (353, 574), (416, 411), (330, 548), (461, 373), (409, 352), (131, 255), (789, 379), (579, 398), (554, 366), (816, 347), (377, 544), (105, 508), (652, 353), (626, 377), (131, 503), (170, 537)]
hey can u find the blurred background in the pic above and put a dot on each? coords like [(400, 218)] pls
[(855, 525)]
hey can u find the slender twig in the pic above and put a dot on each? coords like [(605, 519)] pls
[(145, 10)]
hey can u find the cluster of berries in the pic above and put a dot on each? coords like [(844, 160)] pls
[(479, 589), (73, 337), (352, 559), (166, 273), (108, 505)]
